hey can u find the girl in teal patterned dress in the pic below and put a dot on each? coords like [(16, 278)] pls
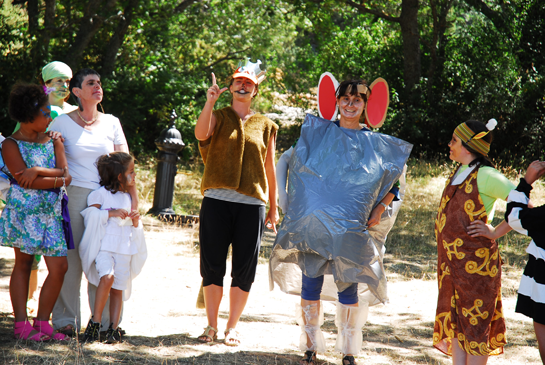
[(31, 221)]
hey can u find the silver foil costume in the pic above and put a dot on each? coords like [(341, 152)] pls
[(336, 177)]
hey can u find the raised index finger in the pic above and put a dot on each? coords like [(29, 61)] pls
[(213, 79)]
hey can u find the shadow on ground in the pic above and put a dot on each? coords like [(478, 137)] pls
[(171, 349), (6, 266), (183, 349)]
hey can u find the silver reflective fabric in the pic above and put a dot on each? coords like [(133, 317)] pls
[(336, 177)]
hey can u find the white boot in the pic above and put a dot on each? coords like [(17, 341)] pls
[(310, 319), (349, 322)]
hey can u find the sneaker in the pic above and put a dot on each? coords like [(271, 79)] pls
[(122, 332), (92, 332), (113, 336)]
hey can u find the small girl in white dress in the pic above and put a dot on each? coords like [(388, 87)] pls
[(113, 241)]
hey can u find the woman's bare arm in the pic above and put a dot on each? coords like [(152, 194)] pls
[(270, 170)]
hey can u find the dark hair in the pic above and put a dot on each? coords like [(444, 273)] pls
[(25, 101), (110, 166), (343, 86), (77, 81), (481, 159)]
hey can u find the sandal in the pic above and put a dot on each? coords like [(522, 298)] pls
[(231, 337), (310, 358), (67, 330), (206, 334), (349, 360), (45, 327), (24, 331)]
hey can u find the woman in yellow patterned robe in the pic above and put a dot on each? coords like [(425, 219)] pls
[(469, 322)]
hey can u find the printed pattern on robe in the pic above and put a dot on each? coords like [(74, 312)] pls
[(469, 306)]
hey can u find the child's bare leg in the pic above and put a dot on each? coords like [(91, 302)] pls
[(116, 300), (540, 334), (460, 357), (56, 267), (18, 285), (103, 291)]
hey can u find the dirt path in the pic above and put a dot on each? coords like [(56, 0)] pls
[(162, 322)]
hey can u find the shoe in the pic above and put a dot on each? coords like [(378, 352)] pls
[(67, 330), (23, 331), (206, 334), (309, 358), (92, 332), (122, 332), (113, 336), (349, 360), (45, 327), (231, 337)]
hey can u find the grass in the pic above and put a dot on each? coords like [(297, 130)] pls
[(410, 254), (411, 250), (187, 187)]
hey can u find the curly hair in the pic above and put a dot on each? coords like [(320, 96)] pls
[(110, 166), (25, 102), (478, 127), (352, 87)]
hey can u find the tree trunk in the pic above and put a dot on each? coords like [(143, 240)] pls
[(90, 23), (37, 50), (33, 16), (116, 41), (495, 17), (438, 44), (411, 43), (410, 36), (49, 24)]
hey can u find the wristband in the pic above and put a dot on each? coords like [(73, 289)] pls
[(384, 205)]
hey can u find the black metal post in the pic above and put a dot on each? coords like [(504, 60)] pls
[(169, 144)]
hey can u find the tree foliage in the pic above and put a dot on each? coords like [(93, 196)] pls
[(446, 60)]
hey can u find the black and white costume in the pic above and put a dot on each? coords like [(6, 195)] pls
[(530, 222)]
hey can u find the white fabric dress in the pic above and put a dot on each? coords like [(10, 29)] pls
[(99, 228)]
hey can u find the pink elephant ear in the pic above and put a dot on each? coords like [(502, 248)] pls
[(377, 105), (327, 102)]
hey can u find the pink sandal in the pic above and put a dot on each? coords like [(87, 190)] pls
[(45, 327), (23, 330)]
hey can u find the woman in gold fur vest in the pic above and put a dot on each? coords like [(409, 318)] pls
[(237, 146)]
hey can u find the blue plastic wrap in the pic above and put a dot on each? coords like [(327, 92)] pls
[(336, 177)]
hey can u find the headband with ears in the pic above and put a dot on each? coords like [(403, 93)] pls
[(377, 103)]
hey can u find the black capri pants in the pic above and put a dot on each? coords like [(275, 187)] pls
[(224, 223)]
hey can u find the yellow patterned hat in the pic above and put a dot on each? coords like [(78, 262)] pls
[(474, 140)]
